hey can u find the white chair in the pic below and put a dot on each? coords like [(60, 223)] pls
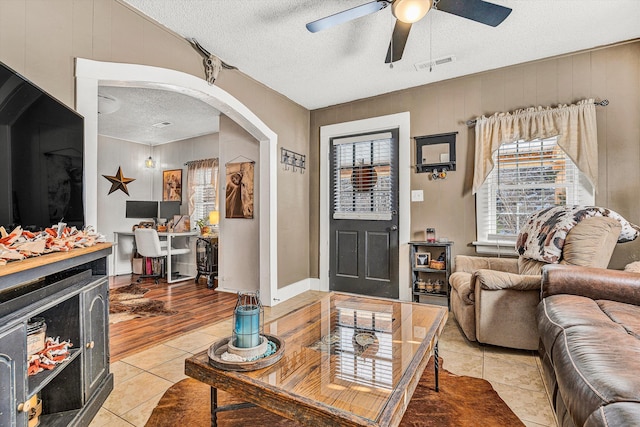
[(148, 245)]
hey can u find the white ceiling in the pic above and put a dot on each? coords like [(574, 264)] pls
[(267, 40), (130, 114)]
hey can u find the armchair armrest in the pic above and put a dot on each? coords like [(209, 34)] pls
[(471, 264), (590, 282), (496, 280)]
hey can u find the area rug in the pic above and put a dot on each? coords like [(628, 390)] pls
[(462, 401), (128, 302)]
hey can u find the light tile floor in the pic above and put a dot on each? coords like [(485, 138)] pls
[(142, 379)]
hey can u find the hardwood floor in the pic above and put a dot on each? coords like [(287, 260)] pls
[(196, 306)]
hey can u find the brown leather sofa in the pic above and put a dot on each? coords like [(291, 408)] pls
[(589, 325)]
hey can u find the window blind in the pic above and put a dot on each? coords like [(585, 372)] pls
[(363, 178), (204, 194), (528, 176)]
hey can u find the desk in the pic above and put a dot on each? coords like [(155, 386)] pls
[(169, 237)]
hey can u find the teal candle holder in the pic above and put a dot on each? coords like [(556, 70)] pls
[(248, 320)]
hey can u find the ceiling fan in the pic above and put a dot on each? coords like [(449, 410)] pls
[(408, 12)]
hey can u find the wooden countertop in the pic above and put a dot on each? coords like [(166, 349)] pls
[(39, 261)]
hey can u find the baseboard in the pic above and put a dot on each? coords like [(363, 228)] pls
[(286, 292)]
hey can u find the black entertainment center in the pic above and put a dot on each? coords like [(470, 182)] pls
[(64, 294), (70, 292)]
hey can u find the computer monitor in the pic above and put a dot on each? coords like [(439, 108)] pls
[(167, 210), (141, 209)]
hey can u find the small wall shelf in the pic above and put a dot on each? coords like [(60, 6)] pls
[(436, 152)]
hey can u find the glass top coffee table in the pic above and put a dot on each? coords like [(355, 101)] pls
[(348, 360)]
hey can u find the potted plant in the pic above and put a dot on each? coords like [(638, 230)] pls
[(204, 227)]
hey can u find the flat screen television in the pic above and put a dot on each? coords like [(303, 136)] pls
[(41, 157)]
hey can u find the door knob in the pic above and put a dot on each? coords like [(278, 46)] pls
[(91, 344), (394, 228), (24, 407)]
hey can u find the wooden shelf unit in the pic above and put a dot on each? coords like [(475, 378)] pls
[(438, 295)]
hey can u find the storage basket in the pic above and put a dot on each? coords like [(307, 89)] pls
[(436, 265)]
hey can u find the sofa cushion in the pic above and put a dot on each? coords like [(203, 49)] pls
[(596, 359), (591, 242), (626, 315), (559, 312), (615, 414), (530, 266)]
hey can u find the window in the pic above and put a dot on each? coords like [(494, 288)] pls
[(362, 181), (202, 190), (527, 176)]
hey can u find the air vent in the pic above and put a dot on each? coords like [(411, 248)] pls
[(427, 65), (162, 124)]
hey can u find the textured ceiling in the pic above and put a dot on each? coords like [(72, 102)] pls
[(267, 40), (130, 114)]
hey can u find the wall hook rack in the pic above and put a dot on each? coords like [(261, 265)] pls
[(292, 160), (439, 174)]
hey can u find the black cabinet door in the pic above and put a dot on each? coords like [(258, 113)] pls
[(96, 324), (13, 371)]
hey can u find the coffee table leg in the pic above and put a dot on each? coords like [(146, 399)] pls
[(214, 406), (435, 364)]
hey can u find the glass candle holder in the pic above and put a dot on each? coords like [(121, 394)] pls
[(431, 235), (248, 320)]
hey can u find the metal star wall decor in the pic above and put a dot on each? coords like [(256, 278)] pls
[(119, 182)]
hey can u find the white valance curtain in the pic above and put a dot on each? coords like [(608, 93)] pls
[(196, 171), (575, 126)]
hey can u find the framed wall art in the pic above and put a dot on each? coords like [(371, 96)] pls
[(422, 259), (172, 185), (239, 192)]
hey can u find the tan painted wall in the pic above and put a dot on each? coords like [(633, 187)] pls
[(241, 236), (611, 73), (41, 38)]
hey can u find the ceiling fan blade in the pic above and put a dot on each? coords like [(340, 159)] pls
[(475, 10), (346, 15), (398, 41)]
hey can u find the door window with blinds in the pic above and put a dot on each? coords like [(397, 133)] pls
[(362, 177), (527, 176)]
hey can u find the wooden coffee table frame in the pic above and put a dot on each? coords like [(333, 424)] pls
[(249, 387)]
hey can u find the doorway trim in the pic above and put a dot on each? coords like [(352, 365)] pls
[(90, 74), (401, 121)]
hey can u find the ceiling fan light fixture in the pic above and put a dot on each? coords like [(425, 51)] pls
[(410, 11)]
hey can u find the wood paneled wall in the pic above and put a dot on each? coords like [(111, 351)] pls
[(611, 73)]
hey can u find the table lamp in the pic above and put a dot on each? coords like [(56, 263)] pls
[(214, 217)]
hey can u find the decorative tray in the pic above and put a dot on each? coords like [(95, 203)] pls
[(220, 346)]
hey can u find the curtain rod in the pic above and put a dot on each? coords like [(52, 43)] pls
[(190, 162), (602, 103)]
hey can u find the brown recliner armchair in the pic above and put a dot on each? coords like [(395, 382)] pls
[(494, 300)]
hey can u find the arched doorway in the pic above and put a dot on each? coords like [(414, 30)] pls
[(90, 74)]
